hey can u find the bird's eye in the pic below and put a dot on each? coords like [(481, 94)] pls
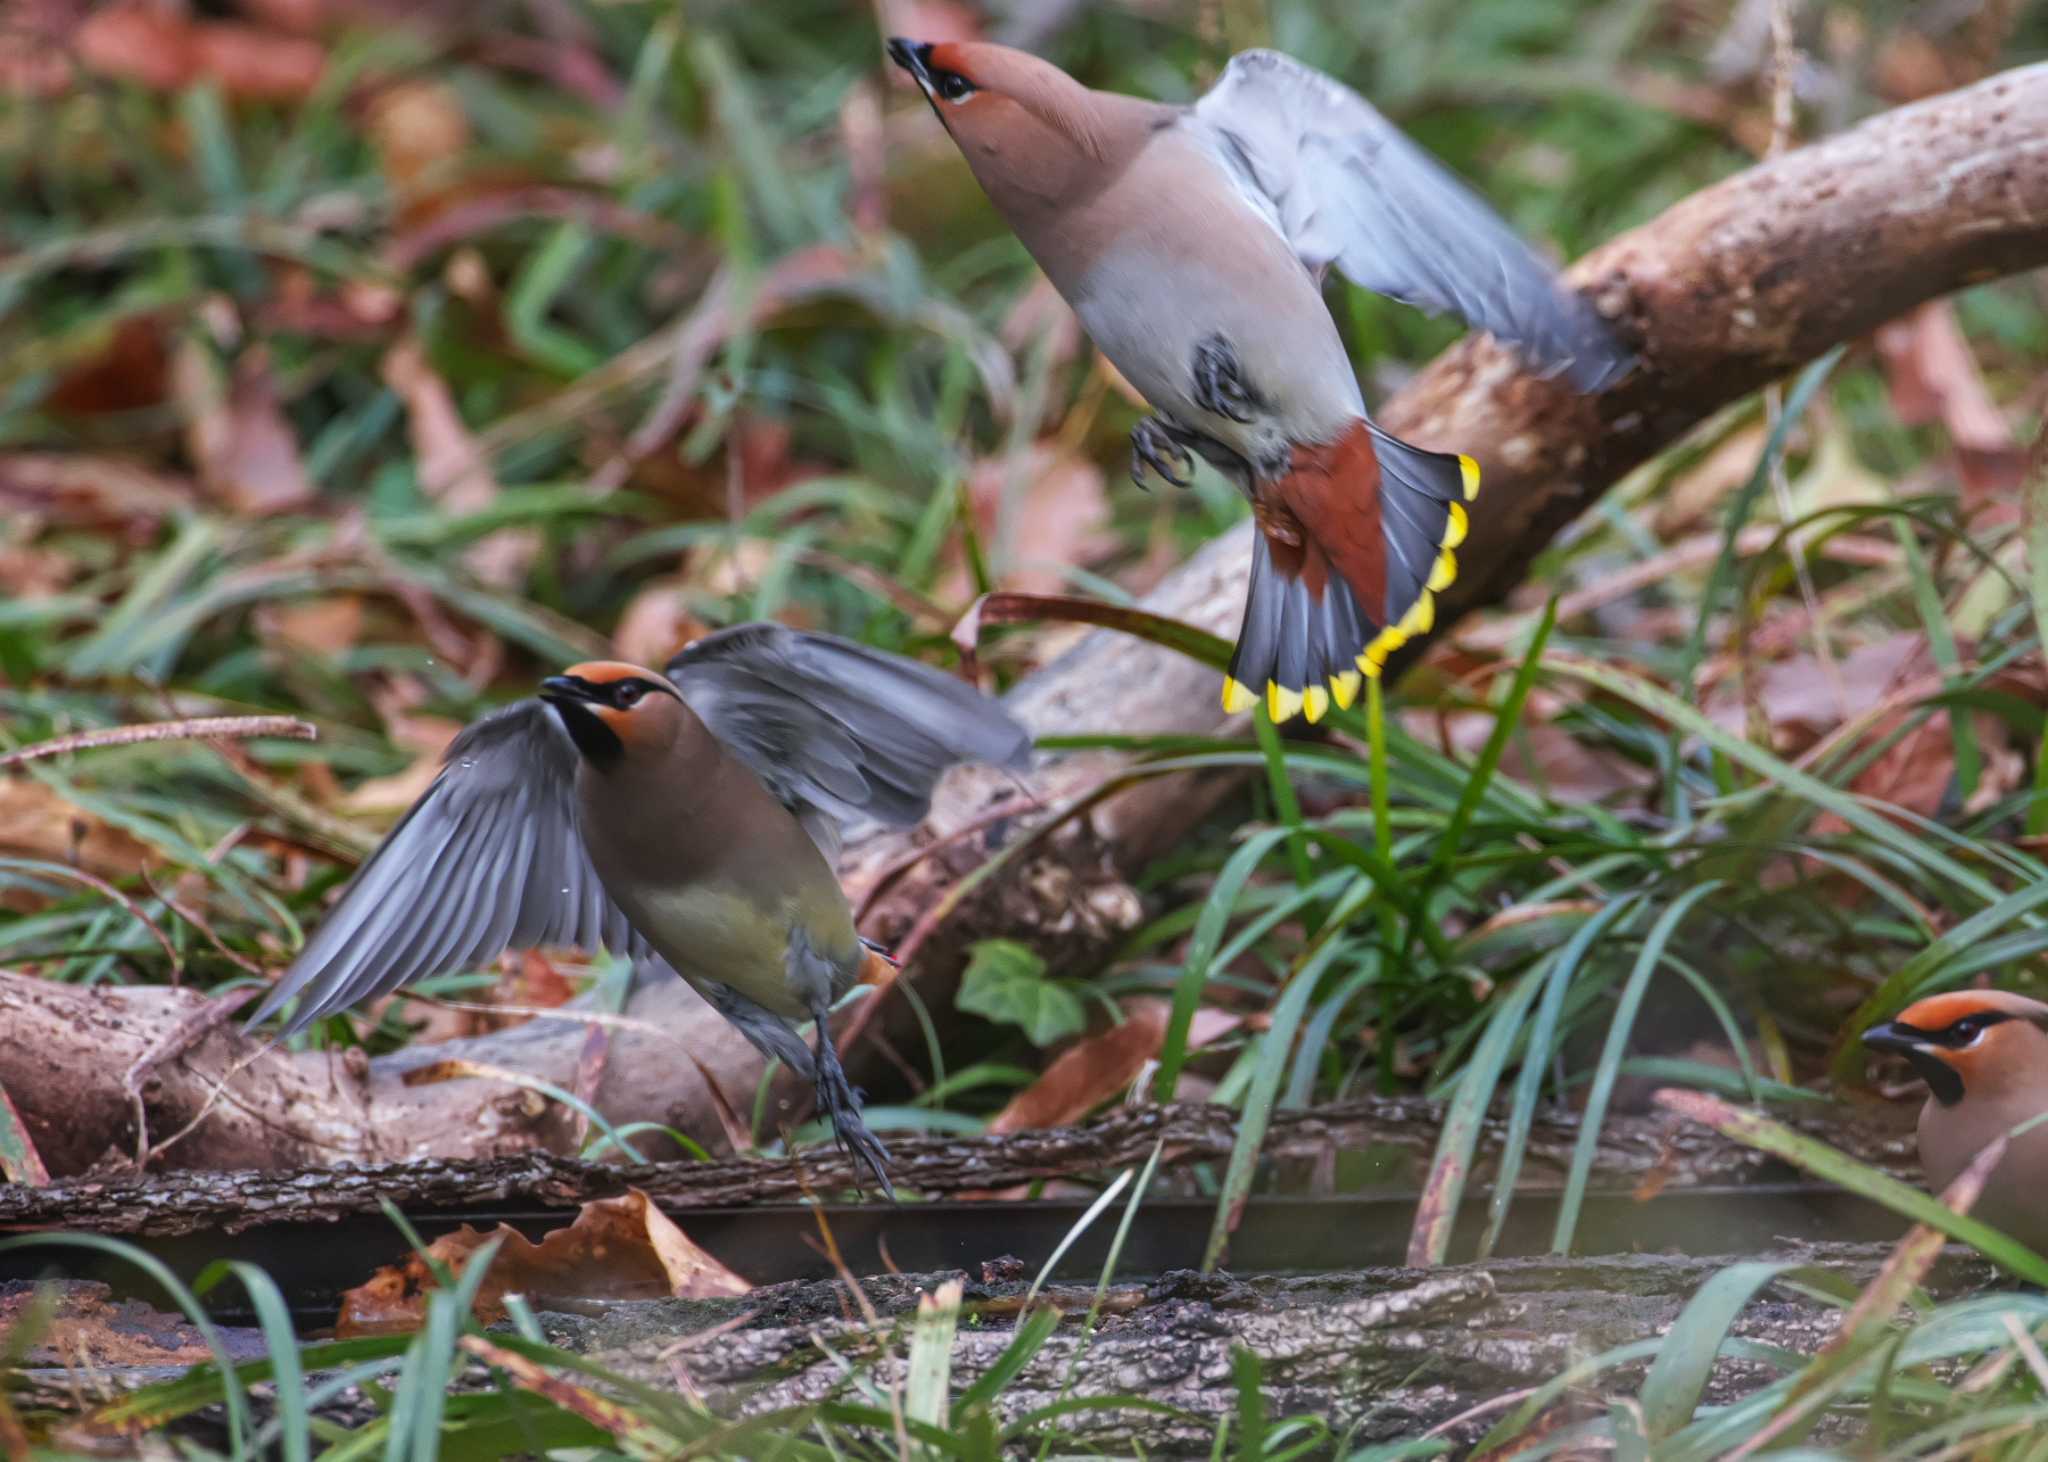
[(628, 695), (952, 85)]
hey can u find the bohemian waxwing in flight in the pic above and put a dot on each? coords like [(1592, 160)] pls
[(1984, 1056), (690, 819), (1193, 242)]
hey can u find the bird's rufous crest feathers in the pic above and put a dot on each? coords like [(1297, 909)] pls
[(1001, 75), (649, 721)]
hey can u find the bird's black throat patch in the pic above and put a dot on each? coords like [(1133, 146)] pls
[(597, 742)]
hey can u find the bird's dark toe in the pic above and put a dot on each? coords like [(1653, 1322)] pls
[(1156, 449), (1220, 386), (841, 1103)]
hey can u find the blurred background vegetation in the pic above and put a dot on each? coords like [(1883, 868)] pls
[(366, 361)]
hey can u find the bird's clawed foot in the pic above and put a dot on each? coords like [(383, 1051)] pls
[(840, 1102), (1220, 385), (1158, 447)]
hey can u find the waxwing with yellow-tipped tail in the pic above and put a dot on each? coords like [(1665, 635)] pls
[(1193, 242), (1984, 1056), (688, 819)]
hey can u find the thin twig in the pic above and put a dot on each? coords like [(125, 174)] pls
[(174, 1043), (199, 728), (1784, 67)]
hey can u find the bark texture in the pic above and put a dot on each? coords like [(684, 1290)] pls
[(1723, 293), (1385, 1355), (1632, 1149), (1395, 1354)]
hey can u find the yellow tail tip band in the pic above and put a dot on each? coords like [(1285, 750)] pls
[(1455, 526), (1344, 688), (1282, 704), (1443, 572), (1237, 696), (1315, 703), (1469, 470), (1421, 616)]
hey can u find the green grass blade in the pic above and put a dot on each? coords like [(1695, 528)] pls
[(1257, 1112), (1618, 916), (234, 1396), (927, 1382), (1678, 1377), (1506, 720), (1753, 1129), (1609, 1069), (1202, 945)]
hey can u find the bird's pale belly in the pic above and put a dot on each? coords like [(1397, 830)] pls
[(1150, 320), (716, 933)]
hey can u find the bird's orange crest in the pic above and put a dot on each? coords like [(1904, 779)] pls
[(1939, 1012)]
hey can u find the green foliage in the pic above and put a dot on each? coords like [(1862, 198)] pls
[(1008, 982)]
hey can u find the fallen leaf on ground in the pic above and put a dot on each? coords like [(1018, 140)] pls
[(620, 1248), (237, 434), (656, 623), (1097, 1068), (415, 125), (36, 822), (451, 466), (428, 738), (89, 492), (166, 50), (323, 627), (1933, 377), (131, 372), (88, 1327), (1036, 512)]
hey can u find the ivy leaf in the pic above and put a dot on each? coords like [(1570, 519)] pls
[(1006, 981)]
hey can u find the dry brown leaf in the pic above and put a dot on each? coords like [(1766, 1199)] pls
[(34, 573), (1933, 377), (132, 372), (89, 492), (451, 466), (237, 434), (1036, 511), (1097, 1068), (937, 21), (89, 1329), (428, 736), (656, 623), (36, 822), (416, 125), (165, 50), (1539, 753), (302, 303), (1800, 700), (1042, 313), (620, 1248), (1691, 496), (322, 627)]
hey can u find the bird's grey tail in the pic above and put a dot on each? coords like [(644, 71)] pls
[(1376, 524)]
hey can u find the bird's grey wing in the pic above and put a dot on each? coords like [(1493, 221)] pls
[(488, 859), (839, 732), (1346, 187)]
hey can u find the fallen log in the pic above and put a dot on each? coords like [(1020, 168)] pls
[(1384, 1355), (1632, 1149)]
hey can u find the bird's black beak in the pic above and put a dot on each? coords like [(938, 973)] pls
[(1894, 1039), (575, 700), (913, 56), (559, 690)]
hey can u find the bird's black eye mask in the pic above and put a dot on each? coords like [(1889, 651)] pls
[(576, 699), (1910, 1041)]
